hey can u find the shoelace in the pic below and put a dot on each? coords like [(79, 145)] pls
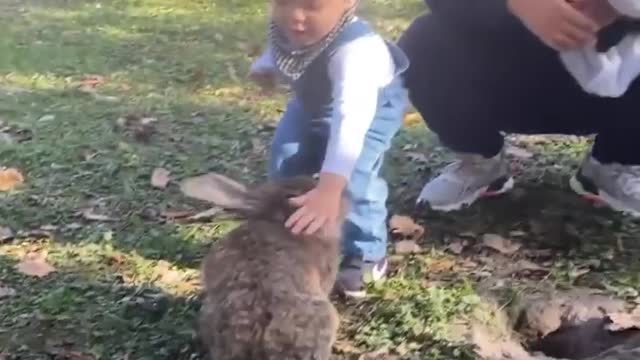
[(466, 165)]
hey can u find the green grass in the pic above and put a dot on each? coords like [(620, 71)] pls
[(128, 288)]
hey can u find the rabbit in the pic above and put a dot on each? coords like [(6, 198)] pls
[(266, 290)]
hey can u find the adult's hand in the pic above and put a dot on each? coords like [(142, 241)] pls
[(556, 22), (600, 11)]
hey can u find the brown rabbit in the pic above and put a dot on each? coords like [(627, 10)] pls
[(267, 290)]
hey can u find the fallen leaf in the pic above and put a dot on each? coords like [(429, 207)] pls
[(417, 157), (406, 227), (526, 265), (92, 80), (500, 244), (440, 265), (257, 147), (34, 264), (518, 152), (579, 272), (90, 215), (176, 214), (378, 355), (35, 234), (6, 139), (10, 178), (205, 215), (6, 234), (49, 227), (73, 226), (160, 178), (47, 118), (6, 292), (231, 71), (407, 247), (457, 246), (105, 98), (342, 346)]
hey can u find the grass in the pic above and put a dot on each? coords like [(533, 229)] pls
[(128, 288)]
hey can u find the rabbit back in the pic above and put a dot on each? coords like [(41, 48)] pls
[(292, 328), (267, 295)]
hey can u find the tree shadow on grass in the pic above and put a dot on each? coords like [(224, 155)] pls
[(96, 314)]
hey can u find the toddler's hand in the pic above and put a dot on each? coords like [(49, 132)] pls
[(319, 209)]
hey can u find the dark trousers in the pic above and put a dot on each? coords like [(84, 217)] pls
[(476, 71)]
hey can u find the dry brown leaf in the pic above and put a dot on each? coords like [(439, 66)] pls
[(205, 215), (89, 214), (34, 264), (406, 227), (160, 178), (378, 355), (440, 265), (176, 214), (10, 178), (407, 247), (166, 274), (6, 292), (500, 244)]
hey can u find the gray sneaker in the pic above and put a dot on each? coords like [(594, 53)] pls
[(466, 180), (617, 186)]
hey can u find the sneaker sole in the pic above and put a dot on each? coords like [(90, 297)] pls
[(496, 188), (585, 188)]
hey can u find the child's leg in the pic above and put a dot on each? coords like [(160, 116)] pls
[(298, 144), (365, 231)]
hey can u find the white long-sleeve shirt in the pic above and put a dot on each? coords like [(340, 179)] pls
[(358, 71), (608, 74)]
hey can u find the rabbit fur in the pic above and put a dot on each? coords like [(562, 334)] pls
[(267, 290)]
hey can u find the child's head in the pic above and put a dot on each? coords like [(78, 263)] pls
[(305, 22)]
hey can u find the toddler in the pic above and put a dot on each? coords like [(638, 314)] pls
[(347, 103)]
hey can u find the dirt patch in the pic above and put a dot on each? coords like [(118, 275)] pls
[(574, 325)]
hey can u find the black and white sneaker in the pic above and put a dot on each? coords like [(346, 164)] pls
[(355, 274)]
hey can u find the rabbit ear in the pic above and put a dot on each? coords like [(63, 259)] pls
[(219, 190)]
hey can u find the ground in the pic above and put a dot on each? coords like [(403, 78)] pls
[(95, 95)]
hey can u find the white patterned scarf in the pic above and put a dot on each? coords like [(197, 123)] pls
[(293, 62)]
